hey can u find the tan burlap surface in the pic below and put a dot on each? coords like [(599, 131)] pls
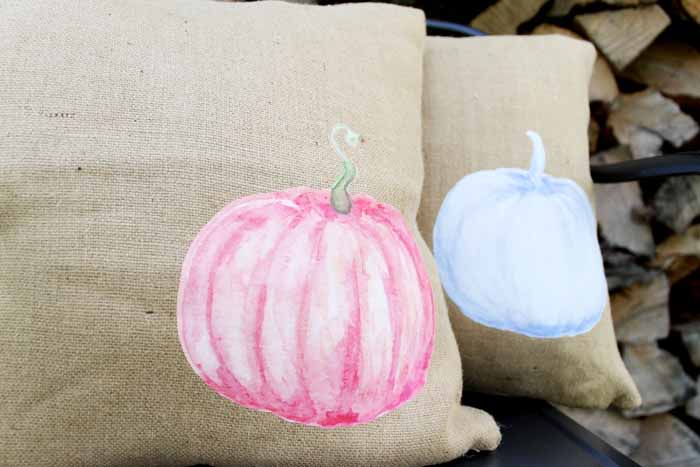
[(480, 95), (124, 126)]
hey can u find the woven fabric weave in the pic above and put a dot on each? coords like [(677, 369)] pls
[(480, 97), (125, 126)]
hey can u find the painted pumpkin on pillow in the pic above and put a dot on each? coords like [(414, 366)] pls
[(312, 305), (517, 250)]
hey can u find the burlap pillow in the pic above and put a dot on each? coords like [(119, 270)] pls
[(480, 96), (126, 125)]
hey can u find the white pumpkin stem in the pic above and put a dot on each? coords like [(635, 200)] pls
[(538, 160), (340, 199)]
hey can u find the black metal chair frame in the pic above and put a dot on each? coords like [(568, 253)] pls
[(667, 165)]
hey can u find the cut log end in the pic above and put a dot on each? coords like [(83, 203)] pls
[(621, 35)]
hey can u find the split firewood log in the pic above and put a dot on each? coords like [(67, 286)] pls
[(643, 120), (620, 210), (622, 268), (564, 7), (679, 255), (669, 65), (660, 378), (505, 16), (593, 135), (690, 334), (620, 432), (665, 441), (603, 86), (640, 312), (686, 10), (692, 407), (621, 216), (677, 202), (621, 35)]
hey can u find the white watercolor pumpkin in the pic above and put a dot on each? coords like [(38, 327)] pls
[(517, 250)]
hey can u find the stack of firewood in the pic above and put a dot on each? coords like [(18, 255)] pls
[(645, 100)]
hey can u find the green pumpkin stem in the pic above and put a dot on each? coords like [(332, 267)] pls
[(340, 198)]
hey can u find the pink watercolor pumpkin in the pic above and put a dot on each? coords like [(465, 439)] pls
[(312, 305)]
